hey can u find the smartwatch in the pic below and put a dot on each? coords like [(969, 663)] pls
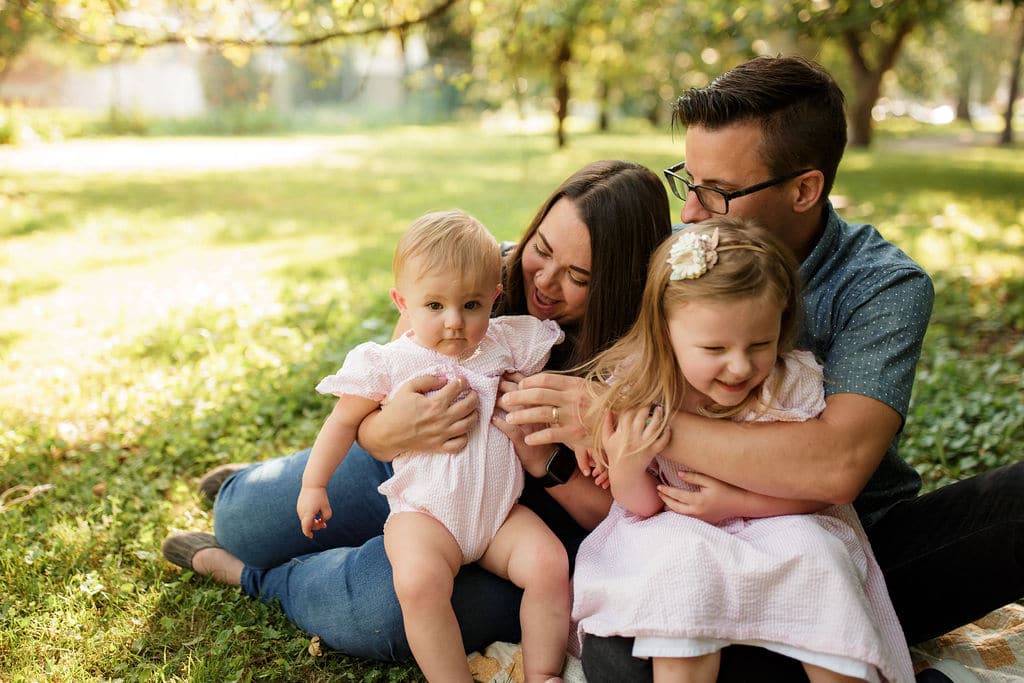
[(560, 468)]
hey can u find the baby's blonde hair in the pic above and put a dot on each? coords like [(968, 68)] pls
[(640, 369), (450, 241)]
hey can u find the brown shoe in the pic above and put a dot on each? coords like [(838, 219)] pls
[(181, 547), (210, 483)]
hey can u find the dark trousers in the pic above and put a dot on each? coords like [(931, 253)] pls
[(949, 557)]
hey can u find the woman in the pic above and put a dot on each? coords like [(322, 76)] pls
[(581, 262)]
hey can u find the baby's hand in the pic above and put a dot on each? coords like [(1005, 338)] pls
[(625, 435), (314, 509)]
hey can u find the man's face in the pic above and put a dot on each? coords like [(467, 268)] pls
[(729, 159)]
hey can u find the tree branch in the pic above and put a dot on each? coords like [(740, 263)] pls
[(72, 32)]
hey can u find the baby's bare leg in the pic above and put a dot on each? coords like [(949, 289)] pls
[(526, 552), (702, 669), (816, 674), (424, 561)]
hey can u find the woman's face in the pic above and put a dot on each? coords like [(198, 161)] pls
[(556, 266)]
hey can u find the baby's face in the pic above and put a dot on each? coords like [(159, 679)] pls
[(448, 312)]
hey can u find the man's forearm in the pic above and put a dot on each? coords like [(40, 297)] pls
[(827, 459)]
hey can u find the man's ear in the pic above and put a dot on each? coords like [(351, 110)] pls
[(398, 300), (809, 190)]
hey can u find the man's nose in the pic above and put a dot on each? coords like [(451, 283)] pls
[(693, 211)]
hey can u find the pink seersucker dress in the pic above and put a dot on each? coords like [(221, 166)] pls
[(807, 586)]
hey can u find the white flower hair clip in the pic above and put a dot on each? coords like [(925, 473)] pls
[(692, 255)]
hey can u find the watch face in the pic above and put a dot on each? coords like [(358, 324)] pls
[(562, 464)]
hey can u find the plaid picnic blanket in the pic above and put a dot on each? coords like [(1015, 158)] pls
[(991, 649)]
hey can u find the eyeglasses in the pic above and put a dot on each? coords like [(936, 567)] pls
[(712, 198)]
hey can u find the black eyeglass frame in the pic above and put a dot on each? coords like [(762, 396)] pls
[(672, 176)]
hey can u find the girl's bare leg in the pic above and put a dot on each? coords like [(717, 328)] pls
[(816, 674), (424, 561), (526, 552), (702, 669)]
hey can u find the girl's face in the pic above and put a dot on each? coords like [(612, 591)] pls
[(725, 349), (556, 266), (448, 314)]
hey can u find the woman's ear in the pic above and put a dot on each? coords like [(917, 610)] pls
[(398, 299), (809, 191)]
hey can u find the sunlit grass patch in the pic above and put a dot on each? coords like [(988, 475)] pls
[(159, 321)]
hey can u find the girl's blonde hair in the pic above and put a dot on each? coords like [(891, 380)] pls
[(640, 369), (450, 241)]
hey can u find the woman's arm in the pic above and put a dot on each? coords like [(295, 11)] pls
[(586, 502)]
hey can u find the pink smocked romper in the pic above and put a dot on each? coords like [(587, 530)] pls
[(471, 492)]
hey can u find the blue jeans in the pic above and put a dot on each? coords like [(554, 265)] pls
[(338, 585)]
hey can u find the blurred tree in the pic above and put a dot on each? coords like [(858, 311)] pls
[(872, 35), (18, 25), (1006, 137), (233, 26)]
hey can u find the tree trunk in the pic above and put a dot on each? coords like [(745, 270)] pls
[(963, 94), (604, 95), (561, 67), (867, 76), (1006, 138)]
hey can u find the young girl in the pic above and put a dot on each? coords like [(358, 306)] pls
[(715, 337), (449, 510)]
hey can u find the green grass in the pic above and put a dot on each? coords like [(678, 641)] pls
[(154, 324)]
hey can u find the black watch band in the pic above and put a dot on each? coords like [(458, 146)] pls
[(560, 468)]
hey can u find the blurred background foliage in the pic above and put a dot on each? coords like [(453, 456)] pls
[(303, 63)]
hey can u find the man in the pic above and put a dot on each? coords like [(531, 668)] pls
[(764, 141)]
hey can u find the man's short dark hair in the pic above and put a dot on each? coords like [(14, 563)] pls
[(799, 105)]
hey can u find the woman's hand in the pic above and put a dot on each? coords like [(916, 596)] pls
[(713, 501), (411, 422), (534, 458), (540, 399)]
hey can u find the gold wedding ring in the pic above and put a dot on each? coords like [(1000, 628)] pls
[(554, 415)]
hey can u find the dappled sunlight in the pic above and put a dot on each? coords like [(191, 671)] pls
[(159, 318), (134, 155), (964, 243)]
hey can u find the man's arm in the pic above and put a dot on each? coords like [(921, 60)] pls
[(827, 459)]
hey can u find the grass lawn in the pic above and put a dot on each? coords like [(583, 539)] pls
[(168, 305)]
